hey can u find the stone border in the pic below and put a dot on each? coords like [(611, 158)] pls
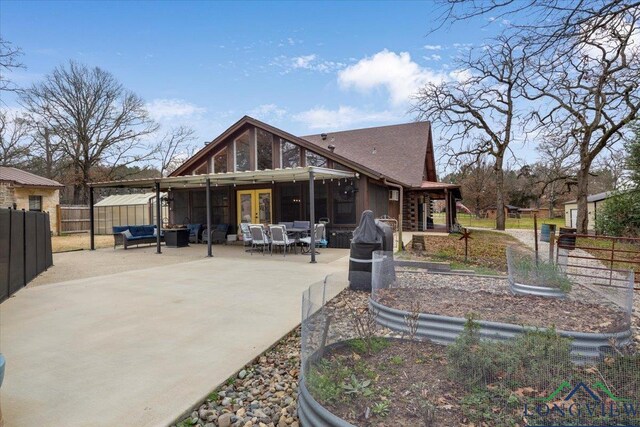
[(540, 291), (585, 346)]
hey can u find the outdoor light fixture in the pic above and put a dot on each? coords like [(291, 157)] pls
[(166, 200)]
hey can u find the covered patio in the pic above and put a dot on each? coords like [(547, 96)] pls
[(209, 181)]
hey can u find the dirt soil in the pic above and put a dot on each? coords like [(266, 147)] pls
[(568, 315), (416, 375)]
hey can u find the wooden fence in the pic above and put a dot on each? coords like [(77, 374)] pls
[(73, 219)]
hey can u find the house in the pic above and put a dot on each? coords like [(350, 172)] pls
[(127, 209), (24, 190), (594, 202), (390, 165), (258, 173), (510, 211)]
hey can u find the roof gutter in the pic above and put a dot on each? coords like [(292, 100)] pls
[(401, 190)]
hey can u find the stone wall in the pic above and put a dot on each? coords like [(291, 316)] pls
[(7, 195), (50, 199)]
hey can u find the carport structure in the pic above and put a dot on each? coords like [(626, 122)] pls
[(235, 179)]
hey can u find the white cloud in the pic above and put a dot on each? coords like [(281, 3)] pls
[(432, 47), (395, 72), (309, 62), (268, 112), (433, 57), (169, 109), (343, 117)]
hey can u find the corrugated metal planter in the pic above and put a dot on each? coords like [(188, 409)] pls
[(541, 291), (313, 414), (585, 347)]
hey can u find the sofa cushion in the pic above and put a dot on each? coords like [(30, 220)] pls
[(127, 234), (141, 230), (119, 228)]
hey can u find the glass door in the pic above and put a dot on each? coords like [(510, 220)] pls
[(254, 206)]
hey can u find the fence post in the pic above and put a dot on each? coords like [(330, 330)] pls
[(613, 251), (24, 247), (58, 219), (552, 243)]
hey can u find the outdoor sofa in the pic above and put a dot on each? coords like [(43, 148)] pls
[(129, 235), (218, 234)]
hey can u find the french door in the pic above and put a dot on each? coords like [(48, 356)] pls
[(254, 206)]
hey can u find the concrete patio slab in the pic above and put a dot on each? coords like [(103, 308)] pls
[(138, 348)]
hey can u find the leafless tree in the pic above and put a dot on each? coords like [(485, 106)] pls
[(9, 61), (174, 147), (99, 123), (477, 183), (14, 131), (587, 100), (47, 148), (479, 111)]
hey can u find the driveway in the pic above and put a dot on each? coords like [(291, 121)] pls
[(138, 348)]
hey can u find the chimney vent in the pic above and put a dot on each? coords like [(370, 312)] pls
[(323, 136), (332, 147)]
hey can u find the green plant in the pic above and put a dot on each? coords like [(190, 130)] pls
[(322, 384), (356, 387), (396, 360), (526, 270), (213, 396), (371, 346), (479, 407), (381, 408), (620, 215)]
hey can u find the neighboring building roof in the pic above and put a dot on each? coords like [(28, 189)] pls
[(26, 179), (593, 197), (127, 199), (397, 151)]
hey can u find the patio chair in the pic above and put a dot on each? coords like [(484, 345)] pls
[(194, 232), (258, 237), (246, 235), (279, 238), (321, 240)]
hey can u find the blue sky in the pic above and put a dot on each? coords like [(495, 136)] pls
[(307, 67)]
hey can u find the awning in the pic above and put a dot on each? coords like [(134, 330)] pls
[(230, 178)]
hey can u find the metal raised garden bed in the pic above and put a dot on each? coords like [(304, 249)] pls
[(585, 347), (540, 291)]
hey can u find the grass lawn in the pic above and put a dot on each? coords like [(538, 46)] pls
[(487, 251), (74, 242), (467, 220)]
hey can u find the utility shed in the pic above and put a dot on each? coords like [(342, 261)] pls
[(127, 209)]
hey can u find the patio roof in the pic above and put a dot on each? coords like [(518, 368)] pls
[(229, 178)]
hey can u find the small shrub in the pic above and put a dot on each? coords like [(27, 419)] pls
[(356, 387), (396, 360), (381, 408), (370, 346)]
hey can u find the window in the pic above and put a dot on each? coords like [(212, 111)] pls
[(344, 203), (264, 146), (290, 154), (320, 200), (35, 203), (290, 202), (242, 147), (314, 159), (220, 162), (202, 169)]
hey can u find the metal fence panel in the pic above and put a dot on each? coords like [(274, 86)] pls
[(41, 257), (16, 263), (31, 246), (5, 247), (47, 242)]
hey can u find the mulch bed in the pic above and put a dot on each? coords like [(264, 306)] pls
[(414, 374), (569, 315)]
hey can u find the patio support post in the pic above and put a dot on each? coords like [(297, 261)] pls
[(158, 218), (91, 220), (312, 216), (209, 217)]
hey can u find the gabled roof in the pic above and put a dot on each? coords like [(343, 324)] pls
[(128, 199), (26, 179), (594, 197), (396, 151), (408, 144)]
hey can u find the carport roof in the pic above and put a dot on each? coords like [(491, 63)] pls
[(229, 178)]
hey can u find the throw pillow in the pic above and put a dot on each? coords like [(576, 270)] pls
[(127, 234), (155, 231)]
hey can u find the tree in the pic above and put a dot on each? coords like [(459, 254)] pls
[(175, 146), (633, 158), (14, 150), (479, 111), (99, 123), (9, 61), (590, 97), (477, 182)]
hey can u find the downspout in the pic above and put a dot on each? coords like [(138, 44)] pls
[(400, 190)]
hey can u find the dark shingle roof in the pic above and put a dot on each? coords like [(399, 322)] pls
[(25, 178), (594, 197), (396, 151)]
